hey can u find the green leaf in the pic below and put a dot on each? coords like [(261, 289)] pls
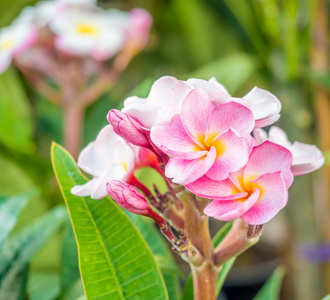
[(188, 292), (74, 291), (44, 286), (271, 289), (70, 265), (16, 128), (326, 297), (115, 262), (21, 248), (10, 9), (232, 71), (10, 208), (162, 254)]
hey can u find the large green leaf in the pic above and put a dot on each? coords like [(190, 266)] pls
[(70, 266), (163, 256), (188, 293), (10, 9), (115, 261), (10, 208), (326, 297), (21, 248), (16, 128), (271, 289)]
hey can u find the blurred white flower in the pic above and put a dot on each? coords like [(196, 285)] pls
[(94, 33), (14, 39)]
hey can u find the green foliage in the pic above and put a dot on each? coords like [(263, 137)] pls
[(10, 208), (271, 289), (44, 286), (21, 248), (114, 259), (188, 293), (326, 297), (16, 127)]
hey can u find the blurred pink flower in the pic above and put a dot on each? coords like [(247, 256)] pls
[(306, 158), (256, 193), (205, 138)]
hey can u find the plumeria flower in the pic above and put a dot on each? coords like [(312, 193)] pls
[(83, 33), (108, 158), (205, 138), (306, 158), (256, 193), (14, 39), (167, 94)]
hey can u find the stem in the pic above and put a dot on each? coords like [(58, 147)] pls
[(73, 121), (205, 281)]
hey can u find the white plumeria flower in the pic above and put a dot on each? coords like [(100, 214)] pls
[(109, 157), (14, 39), (306, 158), (94, 33)]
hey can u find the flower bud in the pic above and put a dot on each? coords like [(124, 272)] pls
[(128, 128), (128, 197)]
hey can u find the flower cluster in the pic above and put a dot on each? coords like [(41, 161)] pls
[(73, 28), (199, 137)]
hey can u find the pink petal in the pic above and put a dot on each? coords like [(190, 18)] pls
[(235, 155), (273, 197), (174, 140), (184, 171), (196, 111), (260, 135), (128, 128), (278, 136), (306, 158), (266, 106), (211, 189), (269, 158), (230, 210), (231, 115)]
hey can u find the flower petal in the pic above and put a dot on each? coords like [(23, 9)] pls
[(211, 189), (234, 156), (269, 158), (196, 111), (306, 158), (273, 197), (230, 210), (266, 106), (231, 115), (174, 140), (184, 171)]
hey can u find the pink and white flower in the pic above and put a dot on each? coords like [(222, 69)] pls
[(256, 193), (99, 34), (306, 158), (205, 138), (14, 39), (167, 95), (108, 158)]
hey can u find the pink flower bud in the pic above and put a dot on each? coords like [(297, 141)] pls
[(128, 128), (128, 197), (145, 158)]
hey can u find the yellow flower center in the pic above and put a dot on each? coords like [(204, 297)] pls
[(6, 44), (209, 142), (87, 29)]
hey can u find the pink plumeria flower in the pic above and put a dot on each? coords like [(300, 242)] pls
[(109, 157), (205, 138), (306, 158), (88, 33), (256, 193), (14, 39)]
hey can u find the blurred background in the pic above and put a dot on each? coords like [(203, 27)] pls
[(279, 45)]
